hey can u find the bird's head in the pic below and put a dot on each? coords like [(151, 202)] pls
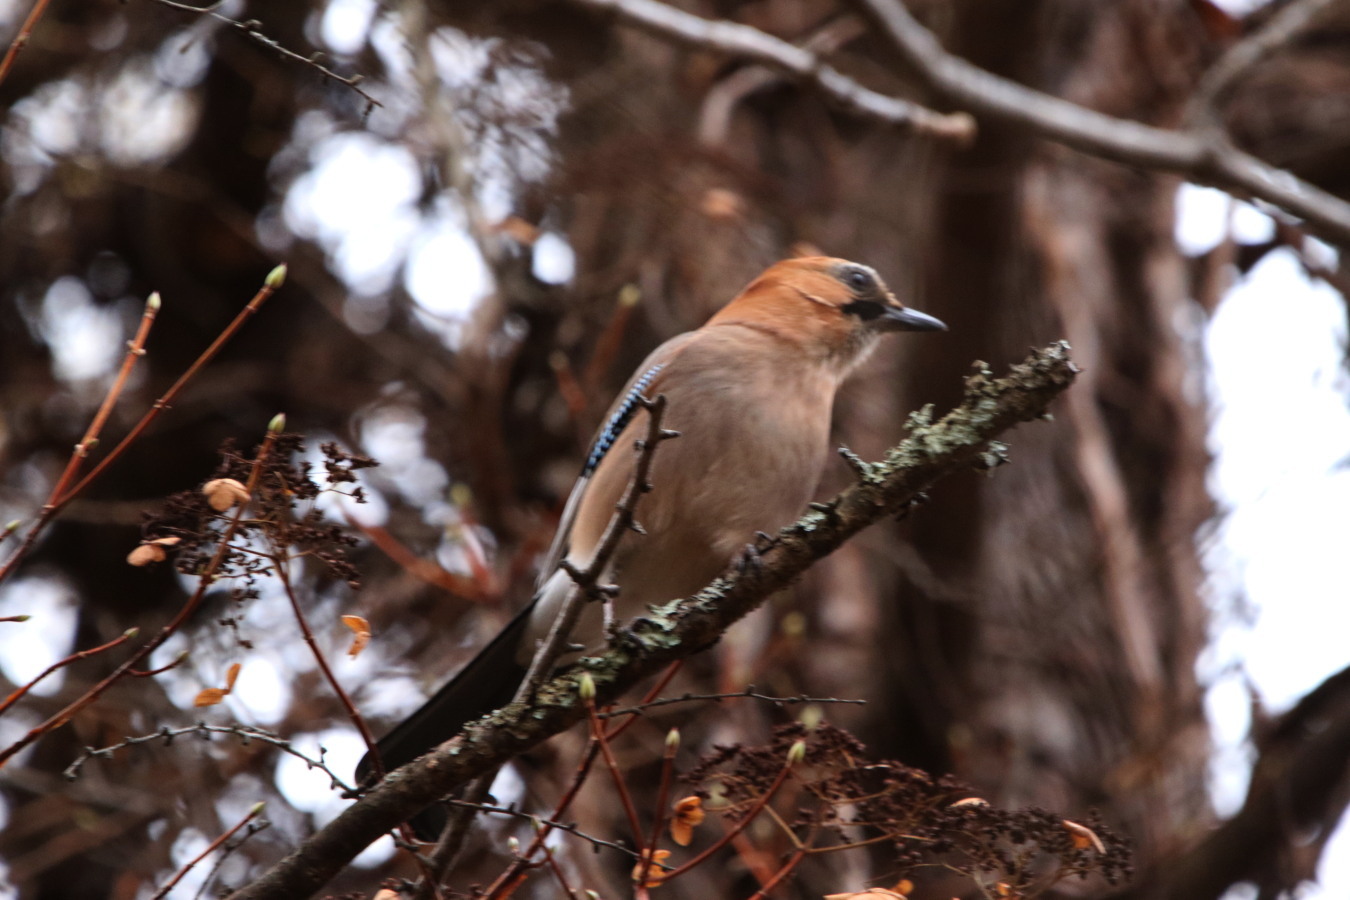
[(831, 308)]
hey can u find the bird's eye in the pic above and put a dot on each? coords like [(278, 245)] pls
[(860, 280)]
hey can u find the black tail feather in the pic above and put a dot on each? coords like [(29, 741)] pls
[(488, 682)]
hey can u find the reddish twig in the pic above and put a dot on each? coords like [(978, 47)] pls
[(508, 881), (483, 577), (753, 858), (21, 39), (424, 569), (744, 821), (215, 845), (135, 350), (205, 580), (607, 345), (662, 798), (574, 397), (554, 867), (56, 502), (598, 732), (284, 576), (74, 657), (784, 871), (151, 673)]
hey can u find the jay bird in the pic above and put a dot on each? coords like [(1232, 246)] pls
[(751, 394)]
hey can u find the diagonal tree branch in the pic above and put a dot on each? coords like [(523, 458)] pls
[(962, 438), (1300, 784), (1277, 33), (751, 43), (1199, 154)]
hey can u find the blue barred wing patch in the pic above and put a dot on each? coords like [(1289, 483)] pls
[(617, 422)]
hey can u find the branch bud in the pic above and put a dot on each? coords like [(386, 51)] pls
[(276, 278)]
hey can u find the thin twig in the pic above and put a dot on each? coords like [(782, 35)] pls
[(55, 503), (229, 848), (211, 848), (253, 29), (452, 836), (74, 657), (751, 43), (204, 582), (135, 350), (282, 563), (556, 869), (1274, 35), (684, 627), (424, 569), (793, 861), (586, 587), (748, 693), (740, 825), (549, 824), (1195, 154), (245, 733), (516, 870), (625, 798), (21, 39), (662, 798)]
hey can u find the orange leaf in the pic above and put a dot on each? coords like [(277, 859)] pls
[(688, 814), (361, 634), (230, 675), (210, 696), (654, 874)]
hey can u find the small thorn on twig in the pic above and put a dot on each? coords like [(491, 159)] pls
[(636, 528), (829, 510), (860, 467), (765, 541), (668, 434)]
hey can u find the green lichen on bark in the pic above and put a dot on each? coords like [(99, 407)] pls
[(964, 437)]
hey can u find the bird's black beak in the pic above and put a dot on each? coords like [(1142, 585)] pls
[(898, 318)]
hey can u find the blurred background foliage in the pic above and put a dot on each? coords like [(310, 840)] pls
[(540, 196)]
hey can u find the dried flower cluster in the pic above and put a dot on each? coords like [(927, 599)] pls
[(191, 523), (843, 799)]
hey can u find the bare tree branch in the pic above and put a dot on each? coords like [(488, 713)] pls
[(1200, 155), (960, 439), (751, 43), (1300, 786), (1278, 32)]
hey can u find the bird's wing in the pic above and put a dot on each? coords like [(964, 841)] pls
[(646, 381)]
